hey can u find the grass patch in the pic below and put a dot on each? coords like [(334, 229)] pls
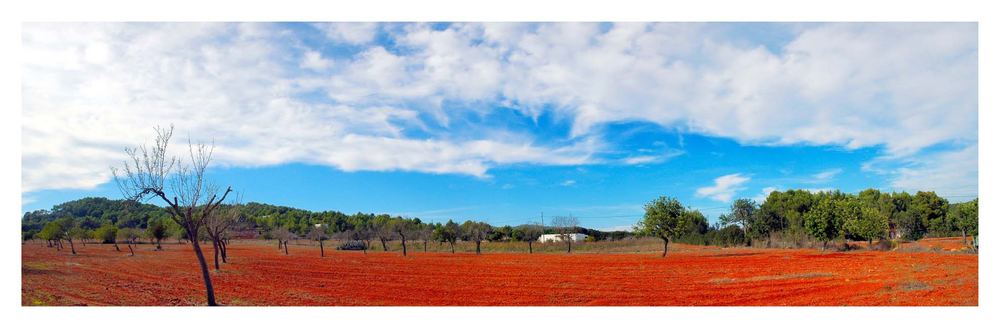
[(805, 275), (913, 285)]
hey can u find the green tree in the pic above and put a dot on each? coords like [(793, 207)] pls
[(129, 235), (76, 233), (871, 224), (157, 230), (107, 233), (822, 221), (53, 233), (931, 211), (741, 213), (664, 219), (967, 219), (695, 223), (70, 231), (476, 232), (450, 232), (528, 233)]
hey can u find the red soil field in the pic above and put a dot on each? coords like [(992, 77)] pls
[(259, 275)]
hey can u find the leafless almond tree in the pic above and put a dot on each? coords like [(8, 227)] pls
[(152, 174), (318, 233), (566, 226), (283, 236), (403, 228), (219, 224), (425, 233)]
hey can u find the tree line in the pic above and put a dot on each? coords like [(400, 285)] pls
[(793, 218)]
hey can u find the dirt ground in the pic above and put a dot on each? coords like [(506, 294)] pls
[(258, 274)]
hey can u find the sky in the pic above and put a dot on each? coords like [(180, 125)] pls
[(507, 122)]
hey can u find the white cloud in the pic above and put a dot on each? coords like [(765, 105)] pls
[(826, 176), (953, 174), (725, 187), (568, 183), (78, 116), (314, 60), (903, 87), (764, 193), (652, 159), (350, 33)]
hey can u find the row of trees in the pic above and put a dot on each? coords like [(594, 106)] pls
[(798, 215)]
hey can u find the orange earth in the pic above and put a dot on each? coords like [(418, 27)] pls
[(259, 275)]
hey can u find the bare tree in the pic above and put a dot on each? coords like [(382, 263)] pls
[(189, 197), (403, 228), (283, 236), (318, 233), (424, 234), (218, 225), (382, 228), (566, 226), (129, 235)]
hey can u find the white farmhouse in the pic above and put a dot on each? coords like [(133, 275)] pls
[(576, 237)]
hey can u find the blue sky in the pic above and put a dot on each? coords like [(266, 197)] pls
[(501, 122)]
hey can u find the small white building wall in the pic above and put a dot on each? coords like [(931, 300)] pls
[(553, 237)]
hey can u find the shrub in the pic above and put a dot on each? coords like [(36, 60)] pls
[(352, 245)]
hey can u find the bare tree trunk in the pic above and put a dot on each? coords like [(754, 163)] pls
[(452, 248), (209, 291), (569, 246), (824, 245), (403, 238), (477, 246), (530, 251), (224, 249), (116, 247), (666, 243), (279, 244), (321, 253), (425, 245), (384, 248), (965, 241), (130, 250), (286, 247), (215, 251), (73, 249), (158, 247)]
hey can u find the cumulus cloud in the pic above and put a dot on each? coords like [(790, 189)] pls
[(89, 89), (222, 83), (725, 187), (953, 173), (350, 33), (314, 60)]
